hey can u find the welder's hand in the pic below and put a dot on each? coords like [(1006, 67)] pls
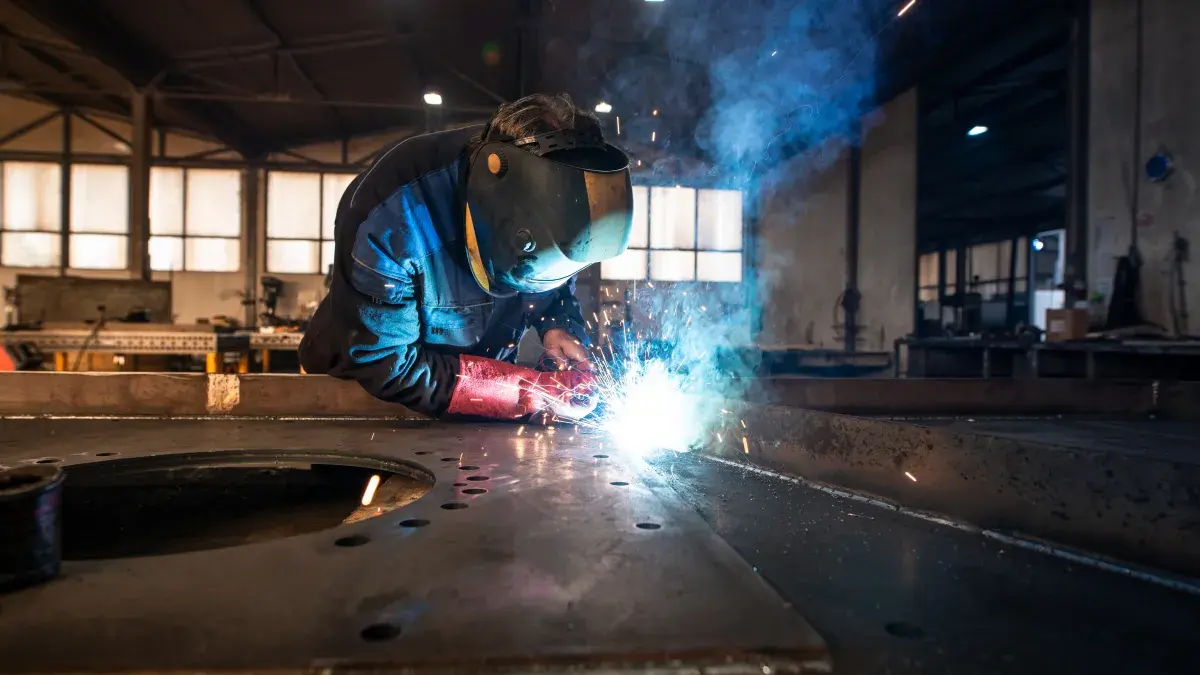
[(566, 350), (568, 394)]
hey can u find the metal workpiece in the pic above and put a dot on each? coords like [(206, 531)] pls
[(130, 342), (1138, 503), (30, 529), (532, 550)]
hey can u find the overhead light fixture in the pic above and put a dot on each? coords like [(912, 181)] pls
[(655, 112), (977, 130), (906, 7), (603, 107), (1038, 244), (433, 98), (654, 0)]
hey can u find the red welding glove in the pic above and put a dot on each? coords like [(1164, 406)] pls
[(490, 388)]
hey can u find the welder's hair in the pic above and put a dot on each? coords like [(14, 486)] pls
[(535, 114)]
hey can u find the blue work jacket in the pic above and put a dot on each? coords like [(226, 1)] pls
[(403, 304)]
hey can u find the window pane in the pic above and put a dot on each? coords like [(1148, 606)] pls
[(672, 265), (326, 256), (927, 269), (719, 220), (640, 236), (293, 205), (214, 203), (719, 266), (166, 203), (212, 255), (99, 202), (166, 253), (951, 269), (31, 197), (629, 265), (99, 251), (333, 186), (29, 249), (292, 257), (672, 218)]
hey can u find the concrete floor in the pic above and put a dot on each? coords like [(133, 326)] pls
[(894, 594)]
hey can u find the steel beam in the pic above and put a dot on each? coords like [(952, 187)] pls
[(140, 156)]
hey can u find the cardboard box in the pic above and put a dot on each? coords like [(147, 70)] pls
[(1066, 324)]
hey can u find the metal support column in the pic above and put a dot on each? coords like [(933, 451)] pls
[(850, 297), (528, 47), (1079, 64), (251, 235), (141, 152), (64, 198)]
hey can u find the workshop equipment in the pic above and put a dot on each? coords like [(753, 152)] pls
[(30, 528)]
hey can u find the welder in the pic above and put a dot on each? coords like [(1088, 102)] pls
[(453, 244)]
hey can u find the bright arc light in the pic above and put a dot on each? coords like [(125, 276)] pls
[(906, 7), (650, 410), (977, 131), (433, 98), (1038, 244), (603, 107)]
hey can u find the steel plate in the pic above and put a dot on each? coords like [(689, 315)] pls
[(549, 565)]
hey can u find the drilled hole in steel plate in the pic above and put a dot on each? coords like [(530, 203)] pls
[(619, 483), (904, 630), (648, 526), (424, 452), (460, 485), (474, 491), (352, 540), (467, 467), (414, 522), (454, 506), (449, 459), (48, 460), (600, 456), (477, 478), (107, 454), (380, 632)]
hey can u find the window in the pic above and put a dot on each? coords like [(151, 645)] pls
[(32, 214), (301, 210), (99, 231), (195, 219), (682, 234), (988, 267), (927, 277)]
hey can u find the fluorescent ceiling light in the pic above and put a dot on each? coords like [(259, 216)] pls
[(603, 107), (433, 98), (977, 131)]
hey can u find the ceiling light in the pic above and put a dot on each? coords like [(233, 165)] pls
[(906, 7), (655, 112), (603, 107), (1038, 245), (433, 98), (977, 131)]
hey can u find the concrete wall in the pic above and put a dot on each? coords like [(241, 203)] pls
[(1171, 58), (888, 225), (801, 248)]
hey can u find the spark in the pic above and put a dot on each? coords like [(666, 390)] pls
[(910, 476), (369, 493), (746, 444), (743, 423), (648, 408), (719, 439), (906, 8)]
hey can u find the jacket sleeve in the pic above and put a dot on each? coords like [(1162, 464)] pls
[(563, 312), (377, 314)]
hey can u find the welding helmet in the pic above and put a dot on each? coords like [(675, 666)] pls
[(542, 208)]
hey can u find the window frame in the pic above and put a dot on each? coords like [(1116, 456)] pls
[(184, 235), (67, 226), (695, 249), (320, 239), (58, 233)]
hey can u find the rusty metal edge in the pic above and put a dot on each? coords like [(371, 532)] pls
[(1127, 507)]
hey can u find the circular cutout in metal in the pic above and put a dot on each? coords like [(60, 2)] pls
[(649, 526), (600, 456), (474, 491), (619, 483), (467, 467), (454, 506), (48, 460), (352, 541), (477, 478), (107, 454), (414, 522), (449, 459)]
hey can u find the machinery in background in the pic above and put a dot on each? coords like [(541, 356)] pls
[(272, 289)]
